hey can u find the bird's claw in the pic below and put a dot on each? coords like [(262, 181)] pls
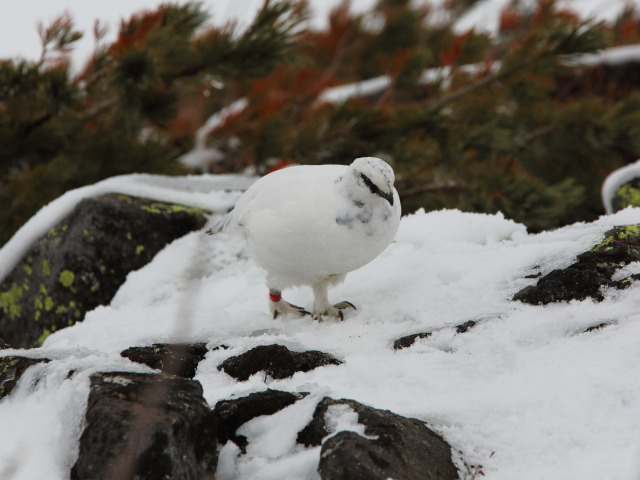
[(335, 311), (286, 308)]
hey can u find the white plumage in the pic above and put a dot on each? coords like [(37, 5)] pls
[(311, 225)]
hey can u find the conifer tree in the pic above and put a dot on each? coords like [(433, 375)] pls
[(504, 135), (121, 113), (470, 121)]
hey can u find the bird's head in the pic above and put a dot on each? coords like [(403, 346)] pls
[(375, 176)]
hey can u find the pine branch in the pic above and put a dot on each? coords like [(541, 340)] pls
[(470, 88)]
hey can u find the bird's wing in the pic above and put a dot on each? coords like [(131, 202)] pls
[(285, 194)]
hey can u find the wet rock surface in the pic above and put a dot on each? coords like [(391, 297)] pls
[(276, 361), (81, 262), (175, 359), (147, 427), (593, 270), (392, 446)]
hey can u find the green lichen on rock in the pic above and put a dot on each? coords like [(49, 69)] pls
[(8, 366), (48, 304), (82, 261), (620, 234), (627, 195), (66, 278), (167, 208), (7, 363), (46, 269), (10, 301)]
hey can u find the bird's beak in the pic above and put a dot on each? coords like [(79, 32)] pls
[(388, 197)]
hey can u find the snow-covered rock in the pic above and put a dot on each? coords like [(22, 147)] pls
[(593, 273), (82, 261), (364, 443)]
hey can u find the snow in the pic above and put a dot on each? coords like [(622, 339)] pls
[(525, 393), (343, 418), (271, 439)]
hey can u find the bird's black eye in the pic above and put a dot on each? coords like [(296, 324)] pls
[(373, 188)]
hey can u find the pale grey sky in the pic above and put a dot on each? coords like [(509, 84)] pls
[(19, 35)]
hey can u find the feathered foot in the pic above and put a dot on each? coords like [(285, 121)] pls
[(335, 311), (278, 306)]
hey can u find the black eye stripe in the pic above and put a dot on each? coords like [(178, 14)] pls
[(372, 187)]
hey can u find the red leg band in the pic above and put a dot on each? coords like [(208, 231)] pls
[(274, 298)]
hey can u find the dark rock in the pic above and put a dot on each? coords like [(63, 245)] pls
[(398, 447), (146, 427), (466, 326), (407, 341), (11, 369), (596, 327), (571, 283), (593, 270), (175, 359), (277, 361), (231, 414), (81, 263), (533, 275), (4, 345)]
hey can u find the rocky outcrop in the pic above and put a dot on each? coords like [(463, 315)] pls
[(81, 262), (147, 427), (392, 446), (175, 359), (12, 368), (593, 270), (276, 361)]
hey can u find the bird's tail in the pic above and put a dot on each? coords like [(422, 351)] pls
[(220, 226)]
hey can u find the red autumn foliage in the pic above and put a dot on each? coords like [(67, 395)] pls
[(133, 33), (509, 20), (450, 57)]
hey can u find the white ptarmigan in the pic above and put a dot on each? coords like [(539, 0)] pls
[(311, 225)]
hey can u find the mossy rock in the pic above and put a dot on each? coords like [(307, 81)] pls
[(81, 262), (593, 270), (627, 195), (11, 369)]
